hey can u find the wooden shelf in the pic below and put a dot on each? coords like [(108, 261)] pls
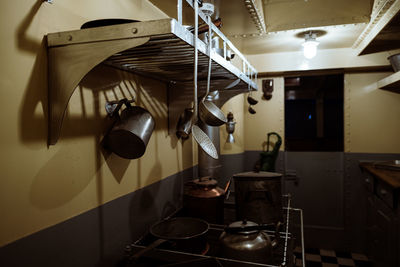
[(391, 83), (158, 48)]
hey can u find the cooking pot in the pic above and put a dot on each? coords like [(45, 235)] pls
[(258, 196), (131, 132), (246, 241)]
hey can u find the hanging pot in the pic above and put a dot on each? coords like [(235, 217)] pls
[(131, 132)]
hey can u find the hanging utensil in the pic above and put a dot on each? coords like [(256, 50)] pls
[(201, 138), (184, 125), (251, 101), (209, 113)]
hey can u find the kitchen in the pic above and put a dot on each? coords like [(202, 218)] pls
[(74, 203)]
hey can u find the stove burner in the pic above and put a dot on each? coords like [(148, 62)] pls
[(170, 254), (206, 251)]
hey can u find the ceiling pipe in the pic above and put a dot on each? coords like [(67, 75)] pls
[(257, 14)]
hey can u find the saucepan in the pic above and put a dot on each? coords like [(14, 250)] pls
[(131, 131)]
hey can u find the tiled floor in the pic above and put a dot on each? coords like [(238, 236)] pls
[(331, 258)]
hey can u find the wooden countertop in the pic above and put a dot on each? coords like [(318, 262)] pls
[(391, 177)]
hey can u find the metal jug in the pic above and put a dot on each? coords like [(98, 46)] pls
[(131, 132)]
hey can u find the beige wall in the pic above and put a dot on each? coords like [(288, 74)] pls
[(372, 116), (236, 106), (41, 186), (269, 117)]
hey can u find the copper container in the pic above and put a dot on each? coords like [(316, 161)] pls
[(204, 199)]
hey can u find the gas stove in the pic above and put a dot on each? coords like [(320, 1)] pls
[(207, 251)]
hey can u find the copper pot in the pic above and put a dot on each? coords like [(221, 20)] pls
[(204, 199)]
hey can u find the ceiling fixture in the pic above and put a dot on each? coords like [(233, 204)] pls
[(310, 45), (256, 14)]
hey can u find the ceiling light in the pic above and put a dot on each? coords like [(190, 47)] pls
[(310, 45)]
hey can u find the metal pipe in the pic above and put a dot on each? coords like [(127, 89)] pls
[(196, 32), (179, 6)]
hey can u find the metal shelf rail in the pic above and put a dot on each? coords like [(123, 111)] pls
[(161, 49)]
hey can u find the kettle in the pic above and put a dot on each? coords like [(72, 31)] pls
[(245, 240), (204, 199)]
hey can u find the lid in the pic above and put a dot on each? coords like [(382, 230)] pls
[(257, 175), (245, 225), (206, 181)]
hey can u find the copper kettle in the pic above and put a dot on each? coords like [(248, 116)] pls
[(246, 241), (204, 199)]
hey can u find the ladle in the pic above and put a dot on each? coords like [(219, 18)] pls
[(209, 113), (201, 138)]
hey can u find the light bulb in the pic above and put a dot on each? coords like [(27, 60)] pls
[(310, 46)]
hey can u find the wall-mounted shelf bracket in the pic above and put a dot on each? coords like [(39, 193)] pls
[(390, 83), (67, 67), (158, 48)]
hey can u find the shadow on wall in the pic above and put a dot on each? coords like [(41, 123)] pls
[(33, 128), (91, 120), (68, 167)]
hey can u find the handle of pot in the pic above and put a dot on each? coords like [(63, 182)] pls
[(275, 242), (251, 228), (128, 102), (114, 112), (152, 246), (227, 190)]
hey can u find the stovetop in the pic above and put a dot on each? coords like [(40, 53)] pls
[(207, 253), (167, 254)]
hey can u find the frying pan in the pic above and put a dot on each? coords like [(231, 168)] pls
[(174, 229)]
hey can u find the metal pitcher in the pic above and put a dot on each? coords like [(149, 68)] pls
[(131, 132)]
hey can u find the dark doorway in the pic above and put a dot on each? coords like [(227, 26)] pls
[(314, 113)]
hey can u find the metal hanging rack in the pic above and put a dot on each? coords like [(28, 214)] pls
[(160, 49)]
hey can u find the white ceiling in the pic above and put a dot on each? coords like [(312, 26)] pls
[(342, 20)]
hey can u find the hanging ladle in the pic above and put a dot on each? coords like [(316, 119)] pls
[(209, 113), (201, 138), (251, 101)]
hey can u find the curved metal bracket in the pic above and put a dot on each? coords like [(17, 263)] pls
[(67, 67)]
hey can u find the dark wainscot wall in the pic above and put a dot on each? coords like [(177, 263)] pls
[(98, 237)]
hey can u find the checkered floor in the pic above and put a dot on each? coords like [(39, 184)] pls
[(331, 258)]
